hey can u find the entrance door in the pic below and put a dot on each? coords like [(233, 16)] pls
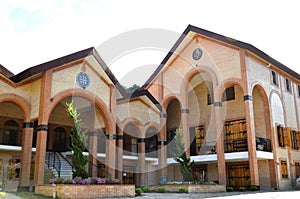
[(128, 175), (238, 175)]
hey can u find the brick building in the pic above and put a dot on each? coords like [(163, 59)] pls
[(236, 107)]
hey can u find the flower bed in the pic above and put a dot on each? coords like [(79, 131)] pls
[(86, 191), (85, 188)]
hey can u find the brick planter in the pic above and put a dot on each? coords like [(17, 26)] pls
[(86, 191), (192, 188)]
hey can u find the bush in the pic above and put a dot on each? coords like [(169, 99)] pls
[(229, 189), (183, 190), (242, 189), (145, 189), (161, 190), (253, 188), (138, 191)]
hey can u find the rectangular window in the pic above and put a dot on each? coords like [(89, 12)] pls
[(283, 135), (298, 90), (274, 78), (288, 85), (228, 94), (284, 170), (297, 169), (295, 140)]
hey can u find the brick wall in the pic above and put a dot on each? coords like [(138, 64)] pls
[(192, 188), (86, 191)]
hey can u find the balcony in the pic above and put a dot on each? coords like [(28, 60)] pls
[(240, 145)]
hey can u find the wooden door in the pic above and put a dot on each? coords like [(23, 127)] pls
[(238, 175)]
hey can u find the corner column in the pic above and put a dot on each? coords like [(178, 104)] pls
[(254, 177), (219, 124), (26, 155)]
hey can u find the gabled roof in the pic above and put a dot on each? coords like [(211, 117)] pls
[(67, 59), (5, 72), (225, 39)]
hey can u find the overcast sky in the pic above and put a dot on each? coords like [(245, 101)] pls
[(33, 32)]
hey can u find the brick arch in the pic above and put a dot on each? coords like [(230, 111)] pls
[(18, 100), (262, 92), (168, 99), (226, 84), (108, 120), (193, 72), (155, 126), (133, 121)]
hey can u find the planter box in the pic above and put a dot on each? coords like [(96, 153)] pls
[(86, 191), (192, 188)]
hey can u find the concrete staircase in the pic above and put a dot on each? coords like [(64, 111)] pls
[(58, 164)]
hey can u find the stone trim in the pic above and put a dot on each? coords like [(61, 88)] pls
[(111, 136), (28, 125), (162, 143), (42, 127), (120, 137), (217, 104), (163, 115), (185, 110), (140, 140), (92, 133), (248, 97)]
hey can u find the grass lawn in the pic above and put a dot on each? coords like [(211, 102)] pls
[(26, 195)]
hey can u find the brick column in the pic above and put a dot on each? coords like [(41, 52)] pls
[(254, 177), (40, 154), (24, 182), (185, 122), (110, 159), (93, 145), (119, 151), (162, 147), (42, 128), (141, 161), (219, 123)]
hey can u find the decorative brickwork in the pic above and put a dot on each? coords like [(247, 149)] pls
[(86, 191)]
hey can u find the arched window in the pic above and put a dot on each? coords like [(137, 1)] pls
[(11, 133), (151, 142)]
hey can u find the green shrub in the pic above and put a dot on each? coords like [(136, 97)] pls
[(160, 189), (253, 188), (183, 190), (138, 191), (242, 189), (145, 189), (229, 189)]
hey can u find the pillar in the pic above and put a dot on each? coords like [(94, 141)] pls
[(162, 146), (110, 159), (42, 128), (141, 161), (93, 145), (251, 139), (119, 151), (185, 123), (26, 154), (219, 125)]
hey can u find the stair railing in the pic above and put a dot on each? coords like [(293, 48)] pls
[(54, 161)]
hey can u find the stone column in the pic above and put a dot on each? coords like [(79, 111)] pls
[(26, 154), (251, 139), (93, 145), (219, 125)]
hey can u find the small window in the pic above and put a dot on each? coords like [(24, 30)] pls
[(288, 85), (295, 140), (228, 94), (298, 90), (210, 99), (284, 170), (274, 78), (283, 136)]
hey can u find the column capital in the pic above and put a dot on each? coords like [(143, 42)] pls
[(162, 143), (217, 104), (140, 140), (92, 133), (111, 137), (163, 115)]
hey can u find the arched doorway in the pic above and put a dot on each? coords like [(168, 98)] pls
[(173, 123), (130, 140)]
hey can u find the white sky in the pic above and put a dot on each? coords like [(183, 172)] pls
[(33, 32)]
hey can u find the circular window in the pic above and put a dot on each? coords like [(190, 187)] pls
[(197, 54), (83, 80)]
